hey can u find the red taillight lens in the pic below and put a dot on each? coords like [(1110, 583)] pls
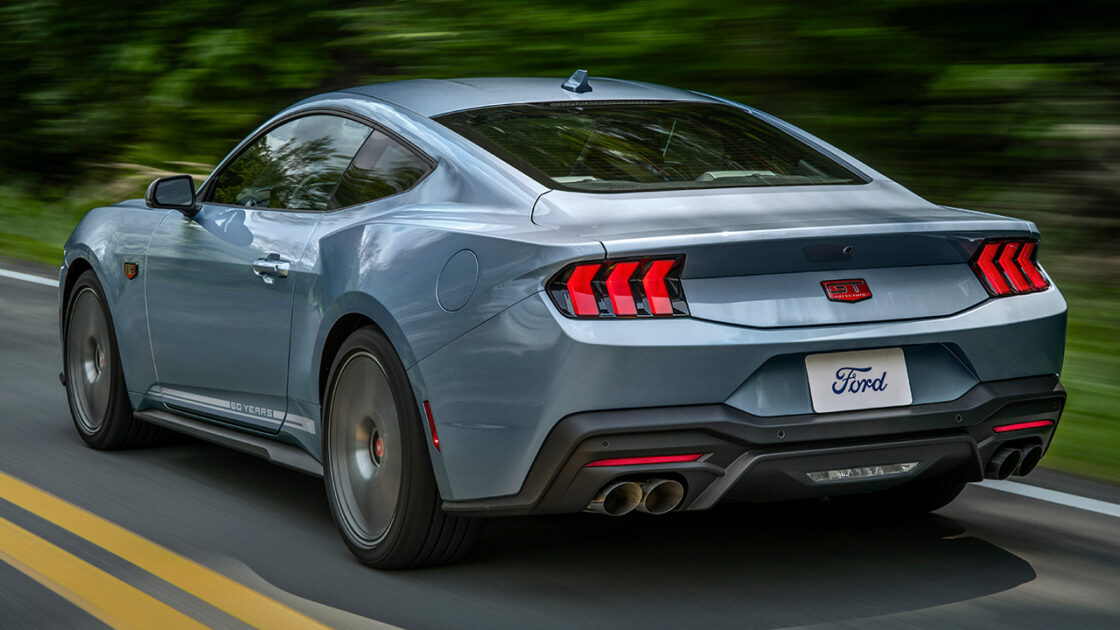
[(643, 287), (1026, 263), (580, 292), (1008, 267), (657, 293), (618, 288)]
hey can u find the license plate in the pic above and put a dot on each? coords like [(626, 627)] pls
[(866, 379)]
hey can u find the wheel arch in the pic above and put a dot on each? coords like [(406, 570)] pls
[(351, 312)]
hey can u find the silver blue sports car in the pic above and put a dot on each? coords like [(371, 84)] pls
[(481, 297)]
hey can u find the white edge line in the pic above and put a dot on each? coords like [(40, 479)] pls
[(26, 277), (1053, 496)]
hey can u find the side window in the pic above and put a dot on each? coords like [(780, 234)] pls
[(296, 166), (381, 168)]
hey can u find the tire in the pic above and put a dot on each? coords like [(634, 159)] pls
[(377, 470), (915, 498), (95, 387)]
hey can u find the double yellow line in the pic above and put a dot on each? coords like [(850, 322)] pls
[(106, 597)]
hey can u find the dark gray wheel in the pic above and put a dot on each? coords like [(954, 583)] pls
[(95, 386), (378, 473)]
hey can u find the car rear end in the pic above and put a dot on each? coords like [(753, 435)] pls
[(825, 334)]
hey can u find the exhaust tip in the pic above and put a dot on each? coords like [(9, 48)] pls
[(660, 496), (1003, 463), (1031, 456), (616, 499)]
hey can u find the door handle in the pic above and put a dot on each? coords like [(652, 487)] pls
[(271, 268)]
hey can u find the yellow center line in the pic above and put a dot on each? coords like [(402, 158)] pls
[(212, 587), (111, 600)]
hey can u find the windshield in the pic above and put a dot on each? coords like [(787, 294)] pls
[(631, 147)]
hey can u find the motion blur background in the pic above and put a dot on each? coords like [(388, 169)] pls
[(1006, 106)]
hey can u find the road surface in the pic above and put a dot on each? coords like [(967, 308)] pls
[(191, 533)]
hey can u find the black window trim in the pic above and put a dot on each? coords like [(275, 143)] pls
[(538, 176), (207, 189)]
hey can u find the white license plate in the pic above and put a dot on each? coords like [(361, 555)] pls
[(866, 379)]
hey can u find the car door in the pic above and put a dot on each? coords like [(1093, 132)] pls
[(219, 285)]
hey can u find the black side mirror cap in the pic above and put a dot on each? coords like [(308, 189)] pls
[(175, 192)]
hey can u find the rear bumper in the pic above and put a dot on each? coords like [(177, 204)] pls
[(758, 458)]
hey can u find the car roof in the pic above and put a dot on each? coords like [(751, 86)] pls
[(434, 97)]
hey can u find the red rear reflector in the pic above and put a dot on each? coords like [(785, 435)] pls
[(652, 459), (618, 288), (1027, 265), (1019, 426), (987, 267), (579, 289), (1007, 264), (431, 424), (657, 293)]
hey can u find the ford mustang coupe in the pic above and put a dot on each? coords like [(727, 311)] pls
[(481, 297)]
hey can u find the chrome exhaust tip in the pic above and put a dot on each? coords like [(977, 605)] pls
[(660, 496), (1031, 456), (1003, 463), (616, 499)]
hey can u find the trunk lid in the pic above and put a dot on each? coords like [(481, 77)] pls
[(757, 256)]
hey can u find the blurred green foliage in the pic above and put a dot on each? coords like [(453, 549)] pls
[(1008, 106)]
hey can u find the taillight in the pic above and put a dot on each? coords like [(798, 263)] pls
[(1009, 267), (636, 287)]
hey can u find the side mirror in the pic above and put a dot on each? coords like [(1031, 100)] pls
[(175, 192)]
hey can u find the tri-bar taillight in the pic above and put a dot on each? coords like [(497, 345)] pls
[(622, 288), (1009, 267)]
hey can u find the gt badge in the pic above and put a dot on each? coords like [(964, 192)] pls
[(854, 290), (130, 270)]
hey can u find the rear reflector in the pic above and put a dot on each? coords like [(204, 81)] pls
[(1019, 426), (652, 459), (643, 287), (1008, 267), (431, 424)]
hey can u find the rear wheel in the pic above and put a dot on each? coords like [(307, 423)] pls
[(95, 386), (917, 497), (378, 473)]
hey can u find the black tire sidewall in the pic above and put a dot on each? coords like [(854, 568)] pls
[(115, 425)]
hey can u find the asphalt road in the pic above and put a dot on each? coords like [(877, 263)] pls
[(990, 559)]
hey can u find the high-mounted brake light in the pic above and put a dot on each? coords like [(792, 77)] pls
[(1008, 267), (637, 287)]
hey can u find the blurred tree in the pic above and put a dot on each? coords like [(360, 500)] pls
[(984, 102)]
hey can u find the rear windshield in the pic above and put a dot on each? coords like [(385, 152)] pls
[(631, 147)]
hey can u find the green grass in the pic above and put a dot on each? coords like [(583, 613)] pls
[(1088, 440)]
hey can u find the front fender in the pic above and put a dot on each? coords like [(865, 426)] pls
[(104, 240)]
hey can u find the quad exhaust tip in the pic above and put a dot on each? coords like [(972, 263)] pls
[(653, 496), (660, 496), (616, 499), (1029, 460), (1004, 462)]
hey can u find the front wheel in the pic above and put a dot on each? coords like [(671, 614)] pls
[(378, 474), (95, 386)]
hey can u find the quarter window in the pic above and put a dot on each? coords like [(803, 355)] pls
[(381, 168), (296, 166)]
